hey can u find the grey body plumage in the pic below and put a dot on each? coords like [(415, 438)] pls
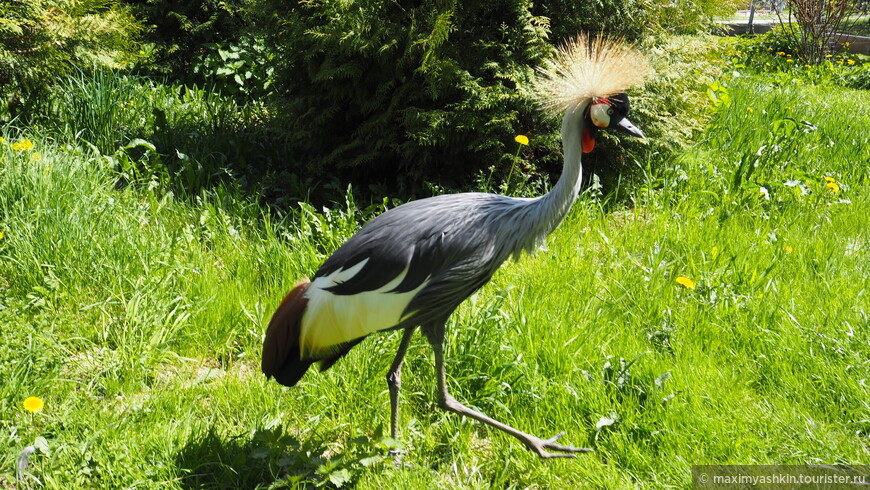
[(415, 264), (455, 242)]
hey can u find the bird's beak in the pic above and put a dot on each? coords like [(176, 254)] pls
[(626, 126)]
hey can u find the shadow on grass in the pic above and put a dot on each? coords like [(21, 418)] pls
[(215, 460), (272, 459)]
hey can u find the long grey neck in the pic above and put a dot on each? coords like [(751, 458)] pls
[(552, 207), (539, 217), (556, 204)]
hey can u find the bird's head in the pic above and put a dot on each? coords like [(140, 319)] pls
[(592, 74), (607, 113)]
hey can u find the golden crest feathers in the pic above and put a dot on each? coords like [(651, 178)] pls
[(585, 68)]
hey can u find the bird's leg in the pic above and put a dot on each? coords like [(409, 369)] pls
[(447, 402), (394, 382)]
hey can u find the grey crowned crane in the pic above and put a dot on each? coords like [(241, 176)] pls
[(414, 264)]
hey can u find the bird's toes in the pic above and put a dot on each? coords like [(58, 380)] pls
[(568, 449), (551, 445)]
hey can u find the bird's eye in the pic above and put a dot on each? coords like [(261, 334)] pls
[(610, 111)]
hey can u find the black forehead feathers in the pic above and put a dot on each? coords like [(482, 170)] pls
[(620, 102)]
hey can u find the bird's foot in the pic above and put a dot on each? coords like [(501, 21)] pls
[(540, 446)]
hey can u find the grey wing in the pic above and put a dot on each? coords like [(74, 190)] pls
[(447, 241)]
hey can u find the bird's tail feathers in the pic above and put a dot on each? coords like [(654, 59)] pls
[(589, 67), (281, 357)]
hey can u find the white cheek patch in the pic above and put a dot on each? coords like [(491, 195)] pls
[(599, 112), (332, 319)]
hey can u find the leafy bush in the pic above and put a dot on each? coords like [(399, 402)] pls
[(244, 69), (41, 39), (205, 43), (381, 91), (178, 34), (370, 92), (376, 90)]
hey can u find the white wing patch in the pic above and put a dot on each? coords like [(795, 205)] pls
[(333, 319)]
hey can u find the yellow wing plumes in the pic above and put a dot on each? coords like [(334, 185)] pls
[(587, 67)]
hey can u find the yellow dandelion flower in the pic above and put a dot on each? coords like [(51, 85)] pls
[(749, 109), (780, 53), (839, 62), (850, 62), (829, 56), (23, 145), (1, 235), (522, 139), (686, 282), (789, 61), (830, 179), (33, 404), (2, 140), (833, 187), (788, 249)]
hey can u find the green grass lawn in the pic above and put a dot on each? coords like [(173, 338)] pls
[(137, 317)]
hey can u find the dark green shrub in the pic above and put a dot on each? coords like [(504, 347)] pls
[(41, 40), (244, 68), (382, 90), (404, 92), (179, 34), (395, 92)]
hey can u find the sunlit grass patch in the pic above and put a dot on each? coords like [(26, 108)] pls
[(702, 321)]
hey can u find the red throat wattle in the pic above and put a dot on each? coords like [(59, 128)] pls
[(588, 142)]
